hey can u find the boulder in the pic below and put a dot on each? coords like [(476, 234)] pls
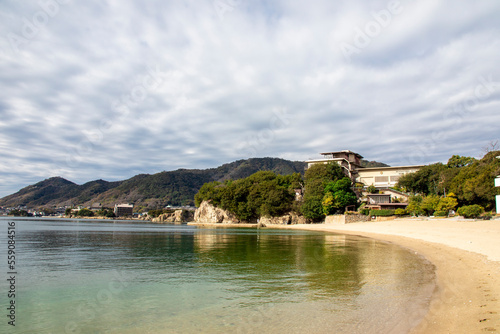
[(209, 214), (178, 216)]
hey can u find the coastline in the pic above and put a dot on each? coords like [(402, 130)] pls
[(467, 259)]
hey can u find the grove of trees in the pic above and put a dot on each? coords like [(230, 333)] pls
[(436, 189), (326, 191), (466, 180)]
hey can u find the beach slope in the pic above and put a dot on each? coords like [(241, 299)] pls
[(467, 257)]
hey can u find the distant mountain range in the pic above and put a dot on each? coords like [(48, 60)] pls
[(145, 190)]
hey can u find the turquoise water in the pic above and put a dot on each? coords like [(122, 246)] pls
[(116, 277)]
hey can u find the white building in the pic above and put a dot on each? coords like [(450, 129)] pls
[(384, 177), (380, 177)]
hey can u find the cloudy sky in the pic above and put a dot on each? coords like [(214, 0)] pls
[(111, 89)]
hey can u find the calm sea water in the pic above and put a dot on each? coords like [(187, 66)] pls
[(117, 277)]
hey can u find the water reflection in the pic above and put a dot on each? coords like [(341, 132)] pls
[(180, 273)]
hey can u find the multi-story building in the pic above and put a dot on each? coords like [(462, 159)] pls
[(348, 160), (380, 177), (124, 210)]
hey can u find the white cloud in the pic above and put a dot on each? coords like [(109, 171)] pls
[(77, 100)]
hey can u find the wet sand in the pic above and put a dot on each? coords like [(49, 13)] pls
[(467, 257)]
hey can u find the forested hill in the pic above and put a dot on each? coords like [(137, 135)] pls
[(144, 190), (147, 190)]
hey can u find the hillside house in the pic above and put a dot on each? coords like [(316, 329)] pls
[(383, 202)]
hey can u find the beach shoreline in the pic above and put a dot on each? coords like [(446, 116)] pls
[(467, 259)]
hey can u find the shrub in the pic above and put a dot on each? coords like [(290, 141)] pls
[(383, 213), (471, 211), (415, 205), (447, 203), (85, 213), (400, 212), (19, 213), (365, 212), (430, 203), (440, 213), (158, 212)]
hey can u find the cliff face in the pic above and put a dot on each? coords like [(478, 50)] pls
[(178, 216), (209, 214)]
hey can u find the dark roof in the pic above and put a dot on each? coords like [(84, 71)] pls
[(344, 151)]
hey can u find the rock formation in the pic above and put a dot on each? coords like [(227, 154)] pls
[(209, 214), (178, 216), (288, 219)]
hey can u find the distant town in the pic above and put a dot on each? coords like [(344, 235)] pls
[(125, 210)]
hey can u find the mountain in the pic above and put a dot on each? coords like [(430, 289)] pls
[(144, 190), (57, 191), (370, 164)]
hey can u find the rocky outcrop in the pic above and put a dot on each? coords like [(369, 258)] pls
[(288, 219), (209, 214), (178, 216)]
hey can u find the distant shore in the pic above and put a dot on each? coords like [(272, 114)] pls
[(467, 257)]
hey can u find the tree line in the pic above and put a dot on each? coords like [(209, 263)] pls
[(465, 183), (325, 187), (462, 182)]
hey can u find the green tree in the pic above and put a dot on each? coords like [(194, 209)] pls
[(470, 211), (85, 213), (430, 204), (447, 204), (414, 205), (338, 195), (457, 161), (474, 184), (312, 207), (209, 191), (19, 213), (371, 189), (316, 178), (425, 181), (106, 212), (261, 194), (471, 180)]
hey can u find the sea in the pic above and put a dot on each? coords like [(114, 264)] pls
[(88, 276)]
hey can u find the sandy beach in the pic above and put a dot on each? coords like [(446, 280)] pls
[(467, 257)]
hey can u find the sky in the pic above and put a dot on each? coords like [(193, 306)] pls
[(110, 89)]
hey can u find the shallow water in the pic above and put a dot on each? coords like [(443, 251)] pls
[(117, 277)]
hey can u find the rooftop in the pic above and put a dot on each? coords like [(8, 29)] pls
[(344, 151)]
